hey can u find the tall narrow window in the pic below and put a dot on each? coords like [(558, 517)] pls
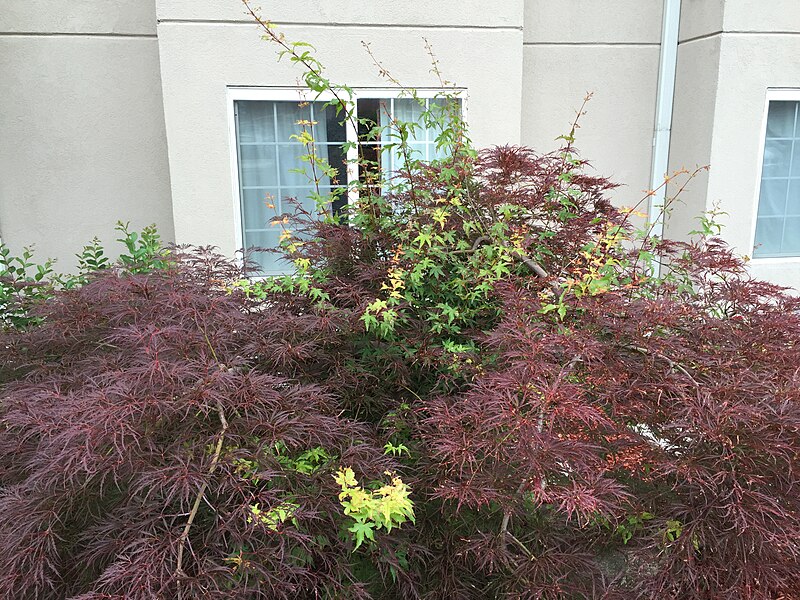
[(273, 173), (778, 224)]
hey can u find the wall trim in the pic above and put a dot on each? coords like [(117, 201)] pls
[(713, 34), (240, 22), (144, 36), (597, 44)]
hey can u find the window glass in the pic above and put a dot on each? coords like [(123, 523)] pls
[(777, 231), (382, 112), (270, 158)]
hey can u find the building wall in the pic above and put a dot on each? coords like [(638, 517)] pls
[(611, 49), (105, 115), (208, 45), (81, 123), (730, 54), (694, 110)]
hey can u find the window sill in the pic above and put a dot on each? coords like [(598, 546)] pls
[(771, 260)]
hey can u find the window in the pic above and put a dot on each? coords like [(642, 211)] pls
[(271, 174), (268, 163), (778, 221)]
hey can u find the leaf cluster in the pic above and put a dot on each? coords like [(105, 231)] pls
[(579, 424), (25, 283), (385, 507)]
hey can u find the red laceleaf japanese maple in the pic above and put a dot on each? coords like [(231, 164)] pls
[(571, 425)]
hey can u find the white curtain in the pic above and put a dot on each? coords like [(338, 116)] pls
[(423, 139), (269, 167)]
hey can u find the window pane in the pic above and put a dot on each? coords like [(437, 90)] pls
[(796, 159), (326, 152), (772, 201), (288, 116), (777, 154), (271, 263), (338, 160), (416, 151), (780, 121), (769, 232), (289, 156), (791, 237), (445, 104), (256, 121), (291, 197), (369, 111), (441, 109), (778, 225), (295, 171), (793, 198), (329, 201), (422, 139), (330, 126), (259, 207), (258, 165), (267, 158), (409, 110), (438, 153)]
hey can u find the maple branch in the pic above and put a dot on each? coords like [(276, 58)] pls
[(674, 365), (534, 266), (520, 545), (179, 573), (481, 240), (507, 515)]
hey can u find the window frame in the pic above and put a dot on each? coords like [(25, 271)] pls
[(300, 94), (772, 95)]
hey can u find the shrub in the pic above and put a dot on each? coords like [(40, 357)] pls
[(484, 383), (568, 425), (22, 284), (25, 283), (150, 449), (577, 426)]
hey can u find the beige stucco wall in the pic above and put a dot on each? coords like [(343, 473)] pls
[(736, 145), (208, 45), (694, 111), (758, 16), (81, 123), (442, 14), (727, 60), (701, 18), (84, 138), (610, 48)]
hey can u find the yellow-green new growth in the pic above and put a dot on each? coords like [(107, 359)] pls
[(383, 508), (274, 517)]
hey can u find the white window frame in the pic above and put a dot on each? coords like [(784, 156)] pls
[(772, 95), (299, 94)]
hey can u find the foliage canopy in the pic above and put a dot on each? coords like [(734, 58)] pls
[(475, 385)]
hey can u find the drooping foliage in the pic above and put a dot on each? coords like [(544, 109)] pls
[(492, 338), (153, 447), (580, 426), (481, 383)]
